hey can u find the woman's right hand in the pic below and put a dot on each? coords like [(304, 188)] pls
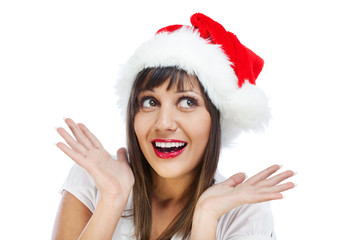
[(113, 178)]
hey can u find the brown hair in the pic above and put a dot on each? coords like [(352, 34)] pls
[(150, 78)]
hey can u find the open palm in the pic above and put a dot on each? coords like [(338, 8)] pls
[(112, 177), (235, 191)]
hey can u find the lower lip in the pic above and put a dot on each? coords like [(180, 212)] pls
[(169, 154)]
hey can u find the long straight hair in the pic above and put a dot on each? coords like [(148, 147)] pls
[(151, 78)]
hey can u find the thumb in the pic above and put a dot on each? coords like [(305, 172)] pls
[(122, 154), (235, 179)]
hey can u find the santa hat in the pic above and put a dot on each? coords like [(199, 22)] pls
[(226, 69)]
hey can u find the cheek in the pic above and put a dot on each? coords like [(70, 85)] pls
[(136, 125), (199, 128), (141, 132), (143, 124), (139, 126)]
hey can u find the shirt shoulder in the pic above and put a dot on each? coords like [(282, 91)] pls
[(80, 184)]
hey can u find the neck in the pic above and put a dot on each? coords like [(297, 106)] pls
[(174, 190)]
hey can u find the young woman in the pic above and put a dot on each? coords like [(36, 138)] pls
[(188, 91)]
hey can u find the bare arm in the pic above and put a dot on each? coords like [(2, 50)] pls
[(106, 216), (71, 218)]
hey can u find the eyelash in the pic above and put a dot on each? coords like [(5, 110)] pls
[(185, 97), (144, 98), (194, 100)]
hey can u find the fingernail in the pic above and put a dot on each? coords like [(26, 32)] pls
[(280, 165)]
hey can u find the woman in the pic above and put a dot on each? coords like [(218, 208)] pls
[(186, 90)]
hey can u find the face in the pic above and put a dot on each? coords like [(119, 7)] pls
[(172, 128)]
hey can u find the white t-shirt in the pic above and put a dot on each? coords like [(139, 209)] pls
[(247, 222)]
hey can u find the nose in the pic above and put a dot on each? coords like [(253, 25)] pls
[(165, 120)]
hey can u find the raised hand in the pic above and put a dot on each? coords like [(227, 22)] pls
[(113, 178), (222, 197)]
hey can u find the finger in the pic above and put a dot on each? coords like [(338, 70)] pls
[(235, 180), (270, 196), (95, 142), (77, 157), (277, 179), (264, 197), (122, 155), (71, 141), (279, 188), (263, 174), (79, 135)]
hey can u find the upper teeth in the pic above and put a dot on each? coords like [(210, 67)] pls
[(169, 144)]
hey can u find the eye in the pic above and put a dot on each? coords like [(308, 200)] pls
[(187, 102), (148, 102)]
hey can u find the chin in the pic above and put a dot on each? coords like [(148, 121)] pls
[(174, 170)]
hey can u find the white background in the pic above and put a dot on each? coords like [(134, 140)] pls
[(60, 59)]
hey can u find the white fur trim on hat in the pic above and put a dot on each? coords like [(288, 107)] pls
[(244, 108)]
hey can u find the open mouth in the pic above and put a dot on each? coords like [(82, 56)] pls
[(168, 149)]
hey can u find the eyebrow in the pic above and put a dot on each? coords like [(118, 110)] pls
[(184, 91)]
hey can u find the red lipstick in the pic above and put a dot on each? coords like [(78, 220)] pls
[(168, 148)]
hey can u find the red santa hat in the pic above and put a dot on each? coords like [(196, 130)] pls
[(225, 67)]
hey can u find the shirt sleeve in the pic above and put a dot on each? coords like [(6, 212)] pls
[(247, 222), (80, 184)]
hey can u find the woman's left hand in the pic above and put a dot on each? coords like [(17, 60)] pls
[(235, 191)]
